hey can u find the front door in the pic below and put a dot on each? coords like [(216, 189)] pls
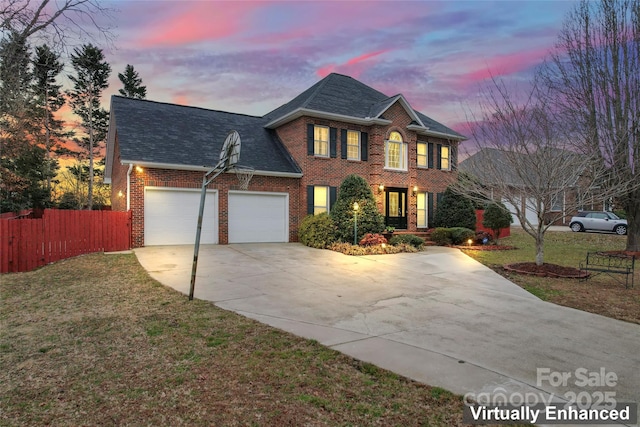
[(395, 208)]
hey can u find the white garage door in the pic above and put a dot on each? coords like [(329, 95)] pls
[(171, 216), (258, 217), (530, 213)]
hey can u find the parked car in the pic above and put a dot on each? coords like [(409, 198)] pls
[(598, 221)]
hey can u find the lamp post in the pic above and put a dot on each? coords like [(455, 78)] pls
[(355, 222)]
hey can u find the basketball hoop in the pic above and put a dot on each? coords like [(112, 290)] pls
[(244, 175)]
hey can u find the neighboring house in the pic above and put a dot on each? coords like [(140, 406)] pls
[(567, 196), (301, 152)]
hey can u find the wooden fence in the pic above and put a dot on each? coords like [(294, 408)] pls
[(26, 244)]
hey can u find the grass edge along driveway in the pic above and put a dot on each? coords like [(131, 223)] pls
[(94, 340)]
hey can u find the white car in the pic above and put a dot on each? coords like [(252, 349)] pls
[(598, 221)]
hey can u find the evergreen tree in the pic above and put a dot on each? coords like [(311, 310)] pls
[(92, 75), (132, 84), (455, 210), (354, 188), (496, 217), (49, 99)]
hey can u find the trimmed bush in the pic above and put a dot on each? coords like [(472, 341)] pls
[(496, 217), (317, 231), (409, 239), (452, 236), (455, 210), (441, 236), (355, 188), (460, 235), (370, 239)]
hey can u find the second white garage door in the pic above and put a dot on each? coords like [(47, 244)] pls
[(258, 217)]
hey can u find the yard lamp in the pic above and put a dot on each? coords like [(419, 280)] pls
[(355, 222)]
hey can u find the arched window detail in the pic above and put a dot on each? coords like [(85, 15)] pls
[(395, 152), (395, 136)]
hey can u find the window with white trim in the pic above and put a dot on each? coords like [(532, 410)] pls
[(353, 145), (395, 152), (445, 154), (320, 199), (321, 141), (422, 210), (422, 155)]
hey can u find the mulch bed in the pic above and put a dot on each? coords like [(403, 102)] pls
[(546, 270)]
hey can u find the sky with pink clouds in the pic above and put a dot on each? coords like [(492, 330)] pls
[(251, 57)]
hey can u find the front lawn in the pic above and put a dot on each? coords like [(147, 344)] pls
[(602, 294), (94, 340)]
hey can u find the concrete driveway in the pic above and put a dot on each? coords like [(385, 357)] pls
[(437, 316)]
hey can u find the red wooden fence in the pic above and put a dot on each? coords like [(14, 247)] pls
[(505, 232), (26, 244)]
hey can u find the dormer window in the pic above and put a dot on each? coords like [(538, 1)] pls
[(395, 152)]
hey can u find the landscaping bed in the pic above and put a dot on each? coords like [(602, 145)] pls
[(546, 270)]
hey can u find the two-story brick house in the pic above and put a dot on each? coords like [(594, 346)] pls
[(301, 152)]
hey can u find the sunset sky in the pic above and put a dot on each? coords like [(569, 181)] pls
[(251, 57)]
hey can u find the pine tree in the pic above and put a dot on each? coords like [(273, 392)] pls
[(92, 75), (496, 217), (455, 210), (49, 99), (132, 84)]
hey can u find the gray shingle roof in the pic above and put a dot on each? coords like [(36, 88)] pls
[(163, 133), (344, 95)]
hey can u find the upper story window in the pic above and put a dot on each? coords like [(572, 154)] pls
[(353, 145), (321, 141), (395, 153), (422, 155), (445, 156)]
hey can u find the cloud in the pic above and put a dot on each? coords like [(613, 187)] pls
[(195, 22)]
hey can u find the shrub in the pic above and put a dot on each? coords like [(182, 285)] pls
[(349, 249), (455, 210), (496, 217), (354, 188), (441, 236), (317, 231), (460, 235), (455, 235), (409, 239), (370, 239)]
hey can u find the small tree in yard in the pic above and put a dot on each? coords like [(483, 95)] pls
[(496, 217), (455, 210), (354, 188)]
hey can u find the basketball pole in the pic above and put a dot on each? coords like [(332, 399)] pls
[(220, 167), (228, 158)]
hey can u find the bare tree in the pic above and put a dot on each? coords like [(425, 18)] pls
[(594, 77), (525, 160), (54, 21)]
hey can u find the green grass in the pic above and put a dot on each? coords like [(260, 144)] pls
[(602, 294), (94, 340), (562, 248)]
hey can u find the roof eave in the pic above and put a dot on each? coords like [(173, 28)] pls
[(300, 112), (175, 166), (426, 131)]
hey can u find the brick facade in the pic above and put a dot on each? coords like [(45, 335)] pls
[(329, 171), (316, 171)]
